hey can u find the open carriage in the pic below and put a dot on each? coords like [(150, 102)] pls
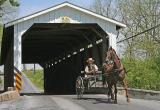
[(89, 83)]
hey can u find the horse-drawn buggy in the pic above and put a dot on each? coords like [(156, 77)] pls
[(113, 72), (84, 84)]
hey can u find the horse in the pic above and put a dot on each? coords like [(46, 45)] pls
[(114, 72)]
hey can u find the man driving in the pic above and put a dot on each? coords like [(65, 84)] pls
[(91, 68)]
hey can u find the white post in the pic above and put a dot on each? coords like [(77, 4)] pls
[(17, 48), (17, 57)]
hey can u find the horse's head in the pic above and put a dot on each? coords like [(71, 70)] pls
[(109, 61), (110, 54)]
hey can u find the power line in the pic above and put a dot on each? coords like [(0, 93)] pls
[(139, 33)]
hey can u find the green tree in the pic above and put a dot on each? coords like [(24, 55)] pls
[(141, 55), (6, 10), (12, 2), (7, 7), (106, 7), (140, 15)]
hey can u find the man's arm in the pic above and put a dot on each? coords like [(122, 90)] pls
[(86, 70), (96, 68)]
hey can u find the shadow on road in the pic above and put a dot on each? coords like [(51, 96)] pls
[(32, 94), (97, 100)]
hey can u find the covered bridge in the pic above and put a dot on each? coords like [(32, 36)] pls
[(60, 39)]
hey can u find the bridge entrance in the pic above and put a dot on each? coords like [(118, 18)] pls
[(62, 49)]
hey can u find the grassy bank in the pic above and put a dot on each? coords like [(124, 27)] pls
[(36, 78)]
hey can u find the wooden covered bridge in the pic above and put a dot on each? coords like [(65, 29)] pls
[(60, 39)]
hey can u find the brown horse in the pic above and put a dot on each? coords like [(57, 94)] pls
[(114, 72)]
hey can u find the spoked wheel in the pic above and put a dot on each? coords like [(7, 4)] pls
[(79, 87)]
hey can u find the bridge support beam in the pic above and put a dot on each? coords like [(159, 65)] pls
[(8, 70), (7, 58)]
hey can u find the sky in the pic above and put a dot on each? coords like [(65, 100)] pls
[(30, 6)]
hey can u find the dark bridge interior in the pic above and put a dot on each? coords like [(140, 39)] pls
[(62, 49)]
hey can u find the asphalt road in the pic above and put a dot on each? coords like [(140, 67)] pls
[(70, 102)]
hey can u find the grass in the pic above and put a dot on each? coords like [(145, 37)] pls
[(36, 79), (1, 32)]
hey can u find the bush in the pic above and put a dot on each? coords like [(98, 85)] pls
[(143, 74)]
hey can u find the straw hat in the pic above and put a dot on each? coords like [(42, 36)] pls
[(90, 59)]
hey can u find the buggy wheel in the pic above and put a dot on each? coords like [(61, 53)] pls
[(79, 87)]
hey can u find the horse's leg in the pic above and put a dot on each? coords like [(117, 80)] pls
[(109, 91), (126, 89), (112, 94), (103, 80), (115, 93)]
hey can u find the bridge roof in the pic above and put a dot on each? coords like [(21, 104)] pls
[(66, 4)]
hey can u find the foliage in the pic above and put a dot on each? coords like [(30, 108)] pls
[(8, 10), (143, 74), (36, 78), (0, 80), (107, 8), (140, 15), (141, 53), (1, 32), (12, 2)]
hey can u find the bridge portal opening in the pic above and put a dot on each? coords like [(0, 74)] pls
[(62, 50)]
